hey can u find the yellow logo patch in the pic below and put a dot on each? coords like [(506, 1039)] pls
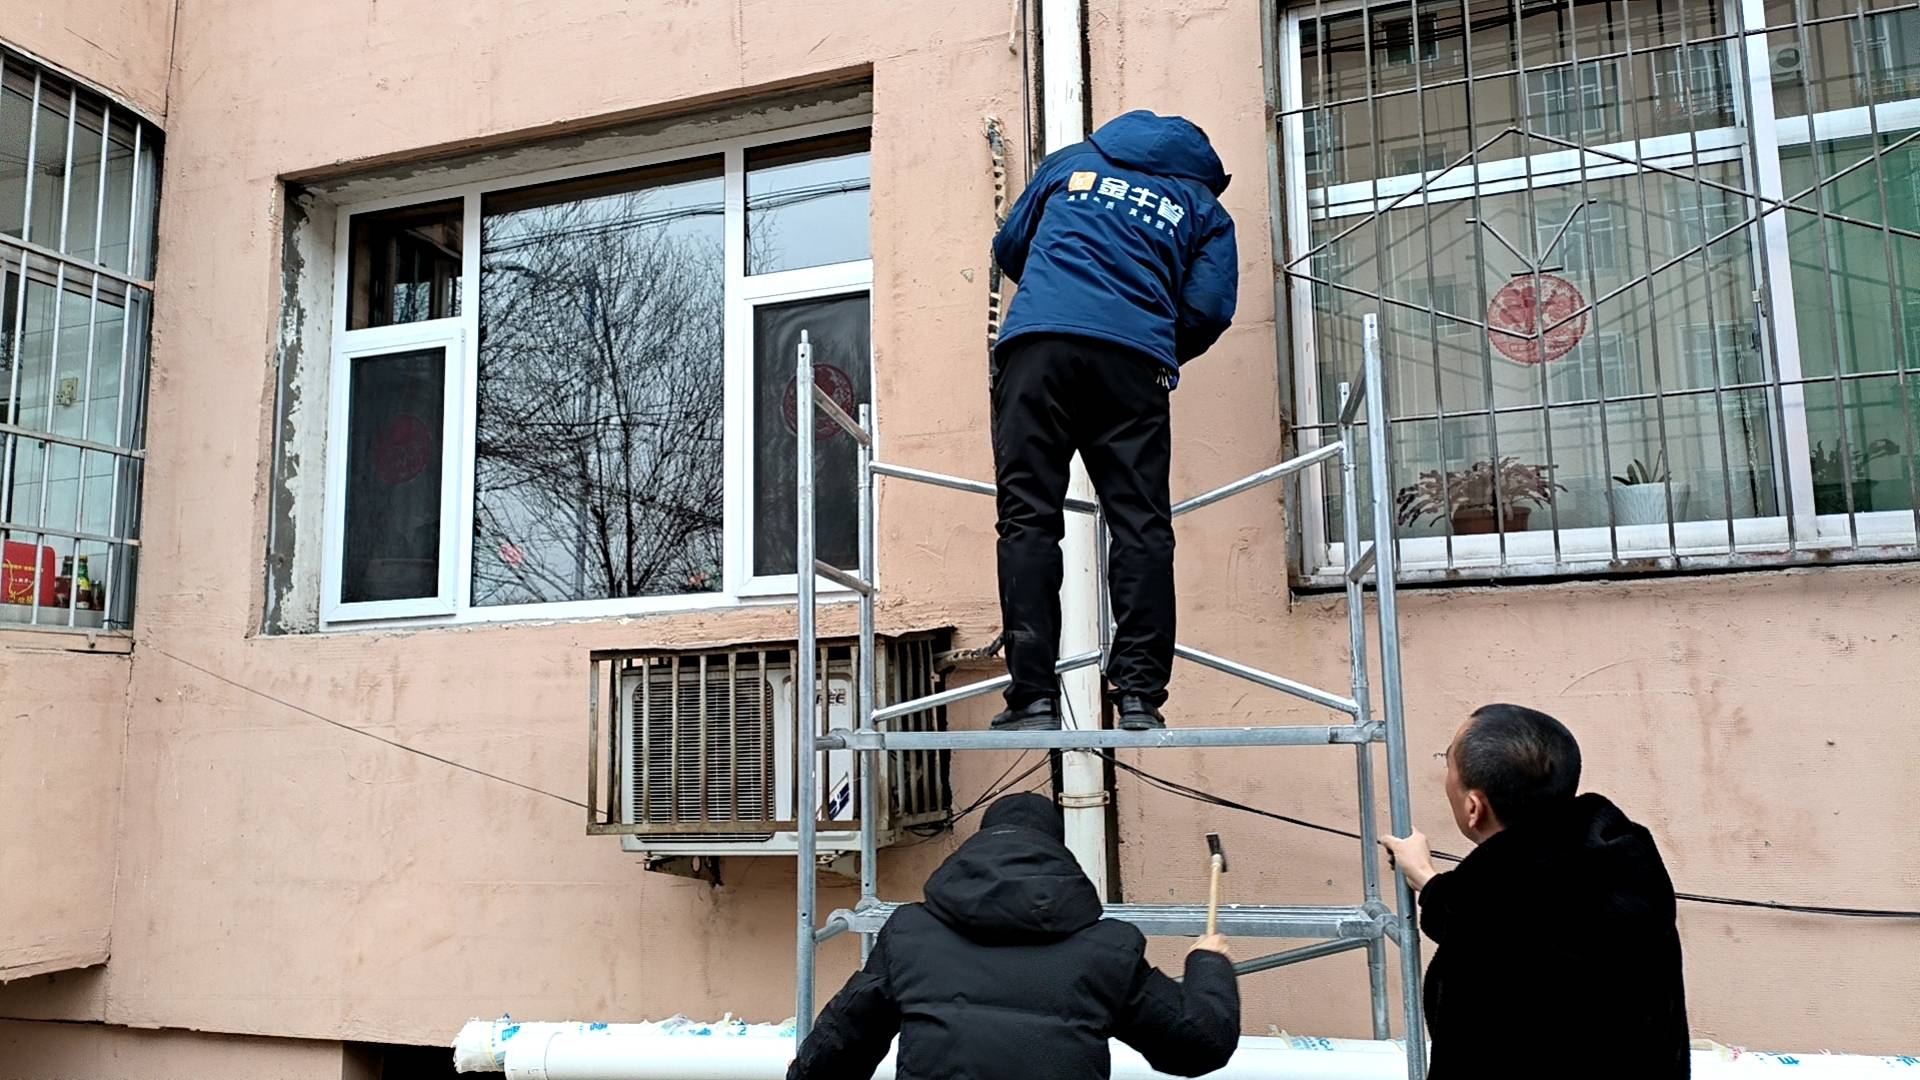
[(1081, 181)]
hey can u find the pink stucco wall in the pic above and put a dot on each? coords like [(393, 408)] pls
[(120, 46), (278, 876), (42, 1051), (62, 724)]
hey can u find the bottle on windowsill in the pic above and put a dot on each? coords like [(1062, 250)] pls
[(63, 585), (83, 587)]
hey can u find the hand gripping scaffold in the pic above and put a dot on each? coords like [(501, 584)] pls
[(1367, 925)]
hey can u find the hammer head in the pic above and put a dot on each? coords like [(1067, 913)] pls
[(1218, 852)]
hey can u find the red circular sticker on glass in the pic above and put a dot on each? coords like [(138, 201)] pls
[(402, 449), (839, 388), (1536, 320)]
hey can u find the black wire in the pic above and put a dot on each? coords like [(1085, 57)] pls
[(1001, 785), (304, 711), (1196, 794)]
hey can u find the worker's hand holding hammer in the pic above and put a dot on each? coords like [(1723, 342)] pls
[(1213, 943)]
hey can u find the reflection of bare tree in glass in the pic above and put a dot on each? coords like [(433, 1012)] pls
[(600, 401)]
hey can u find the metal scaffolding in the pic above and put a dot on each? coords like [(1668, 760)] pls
[(1367, 925)]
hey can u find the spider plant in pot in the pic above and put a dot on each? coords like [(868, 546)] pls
[(1639, 496), (1466, 497), (1830, 476)]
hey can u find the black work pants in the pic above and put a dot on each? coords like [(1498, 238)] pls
[(1054, 395)]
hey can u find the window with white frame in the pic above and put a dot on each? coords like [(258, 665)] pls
[(1677, 240), (79, 179), (571, 393)]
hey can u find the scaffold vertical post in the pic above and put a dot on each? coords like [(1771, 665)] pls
[(806, 799), (1400, 808), (1362, 695), (868, 765)]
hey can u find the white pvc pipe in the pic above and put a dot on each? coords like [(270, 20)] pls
[(575, 1051), (1082, 774)]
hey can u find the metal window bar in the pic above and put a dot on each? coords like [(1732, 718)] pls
[(1367, 925), (63, 255)]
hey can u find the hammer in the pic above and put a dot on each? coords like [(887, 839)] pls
[(1213, 888)]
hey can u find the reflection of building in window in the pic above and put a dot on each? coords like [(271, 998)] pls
[(1593, 241), (1446, 296), (1698, 213), (1600, 365), (1395, 44), (1886, 54), (1564, 105), (1320, 145), (1693, 83), (1409, 160)]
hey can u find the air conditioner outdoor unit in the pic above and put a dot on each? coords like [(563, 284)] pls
[(1785, 62), (702, 756)]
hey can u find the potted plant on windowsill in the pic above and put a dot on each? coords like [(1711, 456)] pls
[(1830, 476), (1639, 497), (1466, 497)]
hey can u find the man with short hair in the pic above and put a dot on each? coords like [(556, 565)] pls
[(1008, 972), (1556, 937)]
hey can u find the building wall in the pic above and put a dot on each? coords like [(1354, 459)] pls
[(282, 876), (62, 726), (47, 1051), (120, 46)]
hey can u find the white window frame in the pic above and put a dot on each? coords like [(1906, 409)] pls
[(451, 337), (743, 293), (1488, 556)]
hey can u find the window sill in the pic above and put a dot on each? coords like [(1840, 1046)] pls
[(66, 639), (587, 611), (1757, 543)]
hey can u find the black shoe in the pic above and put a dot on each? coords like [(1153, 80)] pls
[(1137, 715), (1042, 715)]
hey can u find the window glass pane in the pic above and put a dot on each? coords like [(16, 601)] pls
[(839, 328), (404, 265), (598, 456), (807, 203), (83, 200), (396, 405), (50, 165)]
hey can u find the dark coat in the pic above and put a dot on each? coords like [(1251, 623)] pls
[(1557, 954), (1122, 239), (1008, 972)]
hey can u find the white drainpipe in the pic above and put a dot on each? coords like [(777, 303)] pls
[(573, 1051), (1082, 775)]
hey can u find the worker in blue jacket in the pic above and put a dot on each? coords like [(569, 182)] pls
[(1127, 270)]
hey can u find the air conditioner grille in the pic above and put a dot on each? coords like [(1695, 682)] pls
[(704, 735)]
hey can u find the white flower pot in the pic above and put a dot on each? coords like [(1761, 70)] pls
[(1646, 504)]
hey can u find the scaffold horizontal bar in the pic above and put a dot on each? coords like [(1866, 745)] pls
[(1096, 738), (956, 483), (1264, 476), (962, 693), (841, 578), (1190, 920), (1269, 680), (1359, 570), (838, 415)]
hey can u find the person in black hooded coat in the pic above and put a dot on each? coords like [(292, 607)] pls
[(1008, 970), (1556, 933)]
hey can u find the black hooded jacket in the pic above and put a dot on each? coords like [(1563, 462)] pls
[(1009, 971), (1556, 935)]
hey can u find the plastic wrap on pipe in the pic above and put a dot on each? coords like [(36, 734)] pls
[(579, 1055), (731, 1050)]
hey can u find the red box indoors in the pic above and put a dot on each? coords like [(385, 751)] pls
[(16, 585)]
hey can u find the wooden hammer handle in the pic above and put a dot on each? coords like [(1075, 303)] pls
[(1213, 898)]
